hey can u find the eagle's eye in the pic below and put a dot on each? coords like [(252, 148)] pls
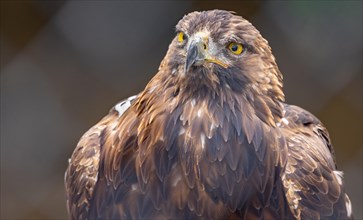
[(181, 37), (235, 48)]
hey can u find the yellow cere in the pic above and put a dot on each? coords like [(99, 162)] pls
[(235, 48), (181, 37)]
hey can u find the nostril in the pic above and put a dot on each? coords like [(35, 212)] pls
[(205, 46)]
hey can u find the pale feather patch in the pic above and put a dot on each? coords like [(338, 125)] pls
[(124, 105), (181, 131), (113, 126), (292, 191), (348, 206), (134, 187), (339, 176), (199, 112), (202, 140), (173, 71), (292, 194), (176, 180), (285, 121), (211, 129), (212, 126), (152, 89)]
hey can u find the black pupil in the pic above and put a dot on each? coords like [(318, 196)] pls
[(234, 48)]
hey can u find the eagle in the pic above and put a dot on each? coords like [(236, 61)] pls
[(210, 137)]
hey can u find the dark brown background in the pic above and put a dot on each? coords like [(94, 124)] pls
[(64, 64)]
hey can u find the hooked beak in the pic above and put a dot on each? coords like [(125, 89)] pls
[(198, 54)]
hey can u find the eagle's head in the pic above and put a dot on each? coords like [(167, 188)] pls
[(218, 48), (217, 53)]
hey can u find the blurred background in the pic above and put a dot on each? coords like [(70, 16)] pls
[(64, 64)]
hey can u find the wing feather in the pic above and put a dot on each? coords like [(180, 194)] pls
[(311, 187), (82, 174)]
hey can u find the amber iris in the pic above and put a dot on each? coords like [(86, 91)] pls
[(181, 37), (235, 48)]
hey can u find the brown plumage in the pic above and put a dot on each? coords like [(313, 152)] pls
[(210, 137)]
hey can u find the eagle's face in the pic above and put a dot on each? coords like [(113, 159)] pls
[(208, 44), (217, 49)]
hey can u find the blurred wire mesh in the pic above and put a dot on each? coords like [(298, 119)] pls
[(64, 64)]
